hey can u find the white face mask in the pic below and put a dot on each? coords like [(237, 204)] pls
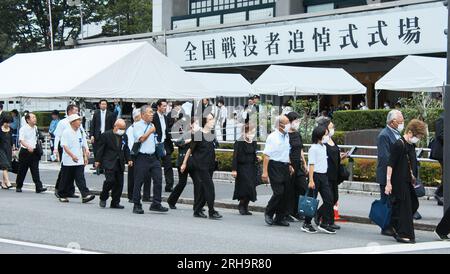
[(325, 139), (401, 127), (120, 132), (331, 132), (287, 128), (414, 140), (296, 125)]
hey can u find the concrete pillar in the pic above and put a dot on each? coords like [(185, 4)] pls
[(289, 7), (164, 10)]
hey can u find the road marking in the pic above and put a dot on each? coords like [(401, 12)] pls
[(49, 247), (383, 249)]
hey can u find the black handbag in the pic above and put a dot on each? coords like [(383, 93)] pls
[(419, 188), (14, 166), (259, 172), (135, 150), (344, 174)]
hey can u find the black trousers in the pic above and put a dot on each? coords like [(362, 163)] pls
[(144, 165), (27, 161), (279, 179), (68, 175), (182, 182), (130, 184), (113, 183), (166, 162), (71, 188), (204, 192), (402, 214), (296, 187), (440, 189), (323, 187), (224, 131), (443, 227)]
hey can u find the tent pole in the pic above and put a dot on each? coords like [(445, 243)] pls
[(318, 105), (377, 92)]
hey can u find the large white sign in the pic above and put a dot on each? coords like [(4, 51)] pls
[(398, 31)]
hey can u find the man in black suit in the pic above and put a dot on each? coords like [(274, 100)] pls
[(102, 121), (163, 127), (438, 154), (112, 155)]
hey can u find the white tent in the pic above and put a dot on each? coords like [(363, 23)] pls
[(301, 81), (415, 74), (126, 71), (224, 84)]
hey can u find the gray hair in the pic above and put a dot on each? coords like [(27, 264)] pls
[(393, 114), (323, 121), (144, 108)]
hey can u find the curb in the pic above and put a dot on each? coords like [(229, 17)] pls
[(219, 204)]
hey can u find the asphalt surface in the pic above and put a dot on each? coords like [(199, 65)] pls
[(40, 219)]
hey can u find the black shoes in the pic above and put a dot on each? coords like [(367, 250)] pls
[(172, 206), (137, 209), (87, 198), (102, 204), (215, 215), (282, 222), (308, 228), (441, 237), (63, 200), (327, 229), (388, 232), (335, 226), (404, 240), (268, 219), (44, 189), (158, 208), (18, 190), (200, 215), (417, 216), (118, 206)]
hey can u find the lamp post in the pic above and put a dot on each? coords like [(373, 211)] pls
[(51, 25), (446, 177)]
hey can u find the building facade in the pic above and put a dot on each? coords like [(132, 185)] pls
[(365, 37)]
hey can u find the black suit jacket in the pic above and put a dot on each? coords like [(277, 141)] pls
[(439, 127), (168, 144), (96, 126), (108, 153)]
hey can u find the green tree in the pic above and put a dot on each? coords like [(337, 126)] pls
[(124, 17)]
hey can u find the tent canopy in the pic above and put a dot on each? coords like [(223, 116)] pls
[(224, 84), (415, 74), (126, 71), (306, 81)]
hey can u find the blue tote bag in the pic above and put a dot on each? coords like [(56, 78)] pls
[(307, 206), (380, 213)]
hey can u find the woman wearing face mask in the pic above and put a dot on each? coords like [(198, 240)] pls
[(334, 161), (203, 159), (401, 178), (318, 181), (297, 185), (244, 170)]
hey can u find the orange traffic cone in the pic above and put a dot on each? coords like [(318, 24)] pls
[(336, 212)]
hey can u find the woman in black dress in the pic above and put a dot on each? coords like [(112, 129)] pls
[(334, 162), (6, 148), (401, 178), (244, 170), (203, 165), (297, 185)]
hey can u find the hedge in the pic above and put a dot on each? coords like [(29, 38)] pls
[(364, 170), (350, 120)]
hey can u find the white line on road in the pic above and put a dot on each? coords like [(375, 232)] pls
[(374, 248), (49, 247)]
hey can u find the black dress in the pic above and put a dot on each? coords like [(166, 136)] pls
[(334, 161), (244, 162), (298, 184), (5, 150), (403, 198)]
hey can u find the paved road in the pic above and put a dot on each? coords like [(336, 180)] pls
[(31, 219)]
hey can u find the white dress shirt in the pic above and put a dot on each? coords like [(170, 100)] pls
[(277, 147), (317, 156), (28, 135), (162, 120), (60, 128), (130, 134), (76, 142), (102, 120)]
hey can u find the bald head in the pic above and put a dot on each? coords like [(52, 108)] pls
[(282, 121), (119, 127)]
